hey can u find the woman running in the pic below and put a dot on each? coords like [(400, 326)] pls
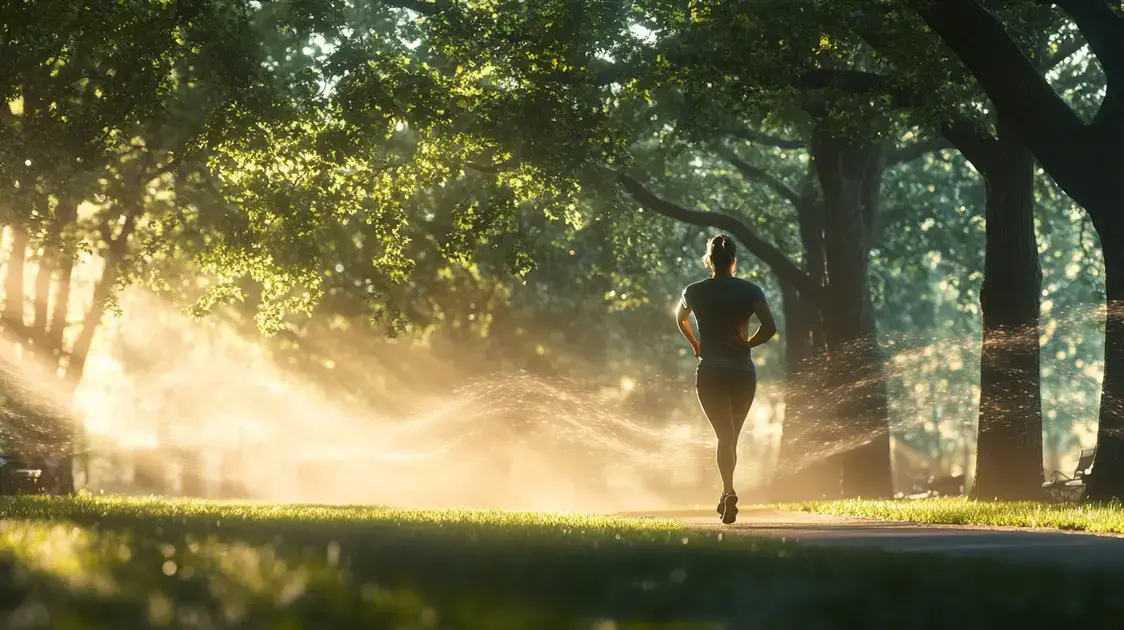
[(725, 379)]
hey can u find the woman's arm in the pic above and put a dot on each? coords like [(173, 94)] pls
[(768, 327), (683, 318)]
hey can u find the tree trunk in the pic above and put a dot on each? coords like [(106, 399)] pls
[(57, 328), (13, 282), (54, 253), (1009, 447), (1107, 479), (801, 473), (76, 362), (858, 395), (42, 299), (76, 365)]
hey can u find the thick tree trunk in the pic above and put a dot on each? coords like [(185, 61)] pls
[(802, 473), (858, 394), (1107, 480), (1009, 448)]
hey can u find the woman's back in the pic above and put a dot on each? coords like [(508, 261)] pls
[(722, 306)]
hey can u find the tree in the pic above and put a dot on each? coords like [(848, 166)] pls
[(1009, 452), (1082, 157), (848, 167), (111, 122)]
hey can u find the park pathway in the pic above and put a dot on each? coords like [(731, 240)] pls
[(1023, 545)]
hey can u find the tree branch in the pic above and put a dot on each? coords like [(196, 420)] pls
[(763, 139), (425, 7), (752, 172), (1103, 29), (1016, 87), (846, 80), (967, 137), (785, 269), (615, 73), (871, 195), (106, 232), (973, 142), (911, 152), (492, 168)]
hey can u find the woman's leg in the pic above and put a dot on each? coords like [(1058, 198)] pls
[(743, 389), (714, 397)]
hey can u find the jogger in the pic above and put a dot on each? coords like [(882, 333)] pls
[(726, 380)]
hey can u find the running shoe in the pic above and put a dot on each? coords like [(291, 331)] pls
[(722, 503), (729, 508)]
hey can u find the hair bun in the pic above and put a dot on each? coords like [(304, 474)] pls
[(720, 252)]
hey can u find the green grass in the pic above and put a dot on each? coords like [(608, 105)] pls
[(118, 563), (961, 511)]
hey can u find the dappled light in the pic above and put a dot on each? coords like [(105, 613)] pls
[(510, 314)]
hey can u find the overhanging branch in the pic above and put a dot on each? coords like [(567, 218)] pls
[(1015, 86), (424, 7), (973, 142), (846, 80), (763, 139), (752, 172), (1103, 29), (781, 265), (492, 168), (916, 150)]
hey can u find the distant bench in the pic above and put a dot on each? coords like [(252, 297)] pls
[(1071, 488)]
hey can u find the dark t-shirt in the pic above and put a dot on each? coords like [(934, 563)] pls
[(722, 308)]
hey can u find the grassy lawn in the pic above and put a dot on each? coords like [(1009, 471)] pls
[(129, 563), (961, 511)]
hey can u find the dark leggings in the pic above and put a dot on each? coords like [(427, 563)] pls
[(726, 396)]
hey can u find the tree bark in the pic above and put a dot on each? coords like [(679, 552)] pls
[(858, 393), (802, 473), (1009, 446), (1106, 482)]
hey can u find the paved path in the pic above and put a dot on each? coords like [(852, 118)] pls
[(1037, 545)]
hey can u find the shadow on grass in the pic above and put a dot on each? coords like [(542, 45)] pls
[(104, 564)]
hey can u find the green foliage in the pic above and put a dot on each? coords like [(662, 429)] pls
[(447, 173)]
